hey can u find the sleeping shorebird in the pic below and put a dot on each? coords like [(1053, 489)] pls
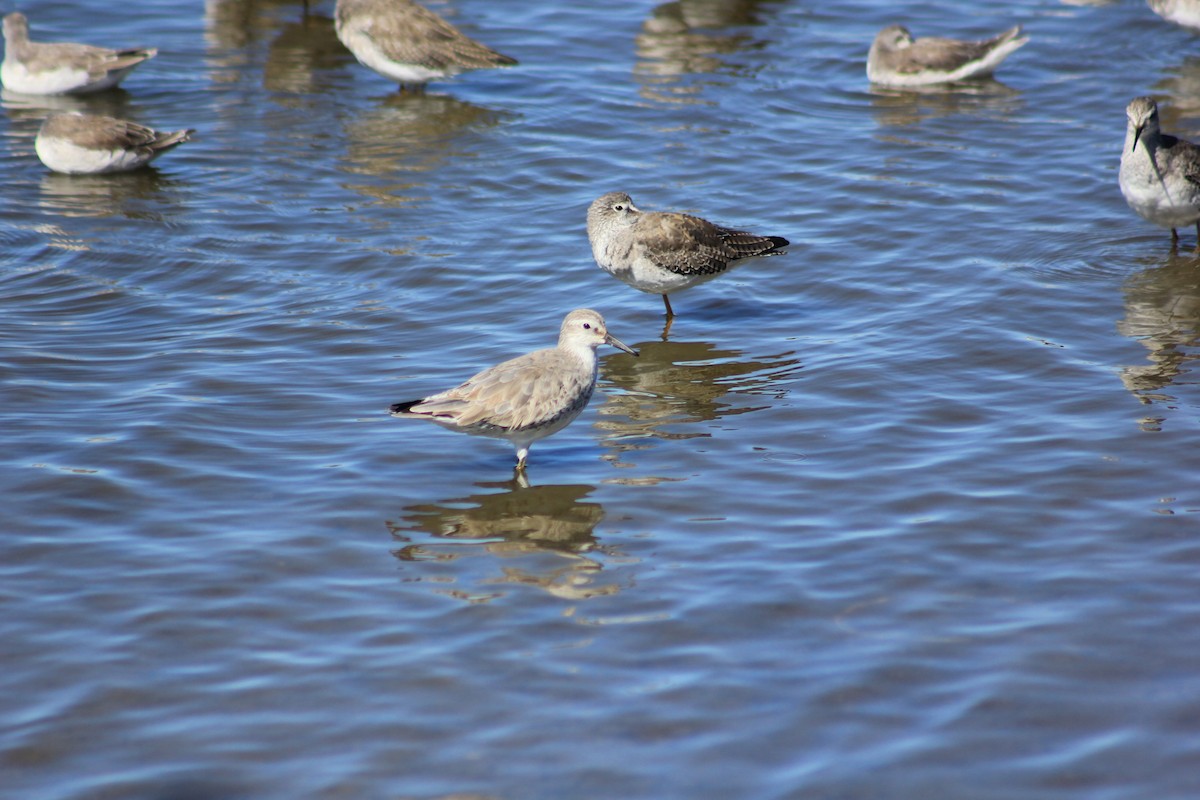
[(529, 397), (89, 144), (408, 43), (61, 68), (661, 252), (897, 59)]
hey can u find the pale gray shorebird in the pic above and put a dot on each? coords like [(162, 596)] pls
[(1160, 174), (661, 252), (1181, 12), (60, 67), (897, 59), (408, 43), (529, 397), (90, 144)]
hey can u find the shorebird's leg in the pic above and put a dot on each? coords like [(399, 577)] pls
[(520, 479), (671, 312)]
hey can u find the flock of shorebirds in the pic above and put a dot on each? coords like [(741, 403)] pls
[(538, 394)]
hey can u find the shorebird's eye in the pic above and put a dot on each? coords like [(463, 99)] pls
[(587, 326), (618, 207)]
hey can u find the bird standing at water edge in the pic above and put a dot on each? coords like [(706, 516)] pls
[(897, 59), (664, 251), (529, 397), (408, 43), (1160, 174), (61, 68)]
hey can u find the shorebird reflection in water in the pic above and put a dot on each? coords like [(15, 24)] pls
[(545, 535)]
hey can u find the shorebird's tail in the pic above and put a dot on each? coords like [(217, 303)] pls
[(749, 244), (999, 47), (131, 57), (165, 141), (403, 408)]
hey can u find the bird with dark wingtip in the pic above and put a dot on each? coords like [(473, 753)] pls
[(897, 59), (529, 397), (661, 252), (408, 43), (43, 68)]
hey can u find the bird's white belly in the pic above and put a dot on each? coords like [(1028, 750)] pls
[(17, 78), (371, 56), (1157, 201), (643, 274), (64, 156)]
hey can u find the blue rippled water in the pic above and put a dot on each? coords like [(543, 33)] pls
[(907, 512)]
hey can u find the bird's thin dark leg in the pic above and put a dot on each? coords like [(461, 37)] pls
[(667, 303)]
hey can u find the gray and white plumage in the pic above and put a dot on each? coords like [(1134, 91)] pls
[(661, 252), (61, 67), (90, 144), (408, 43), (529, 397), (897, 59), (1160, 173), (1181, 12)]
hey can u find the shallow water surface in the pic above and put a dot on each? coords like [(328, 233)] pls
[(910, 511)]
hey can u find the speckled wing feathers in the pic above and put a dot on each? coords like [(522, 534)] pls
[(1180, 154), (688, 245)]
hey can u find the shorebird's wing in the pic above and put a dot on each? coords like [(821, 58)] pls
[(947, 55), (108, 133), (684, 244), (528, 390), (415, 35), (96, 61), (942, 55)]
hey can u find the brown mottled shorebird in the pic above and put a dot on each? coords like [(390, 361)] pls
[(529, 397), (1160, 174), (408, 43), (896, 59), (664, 251), (88, 144), (61, 68)]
